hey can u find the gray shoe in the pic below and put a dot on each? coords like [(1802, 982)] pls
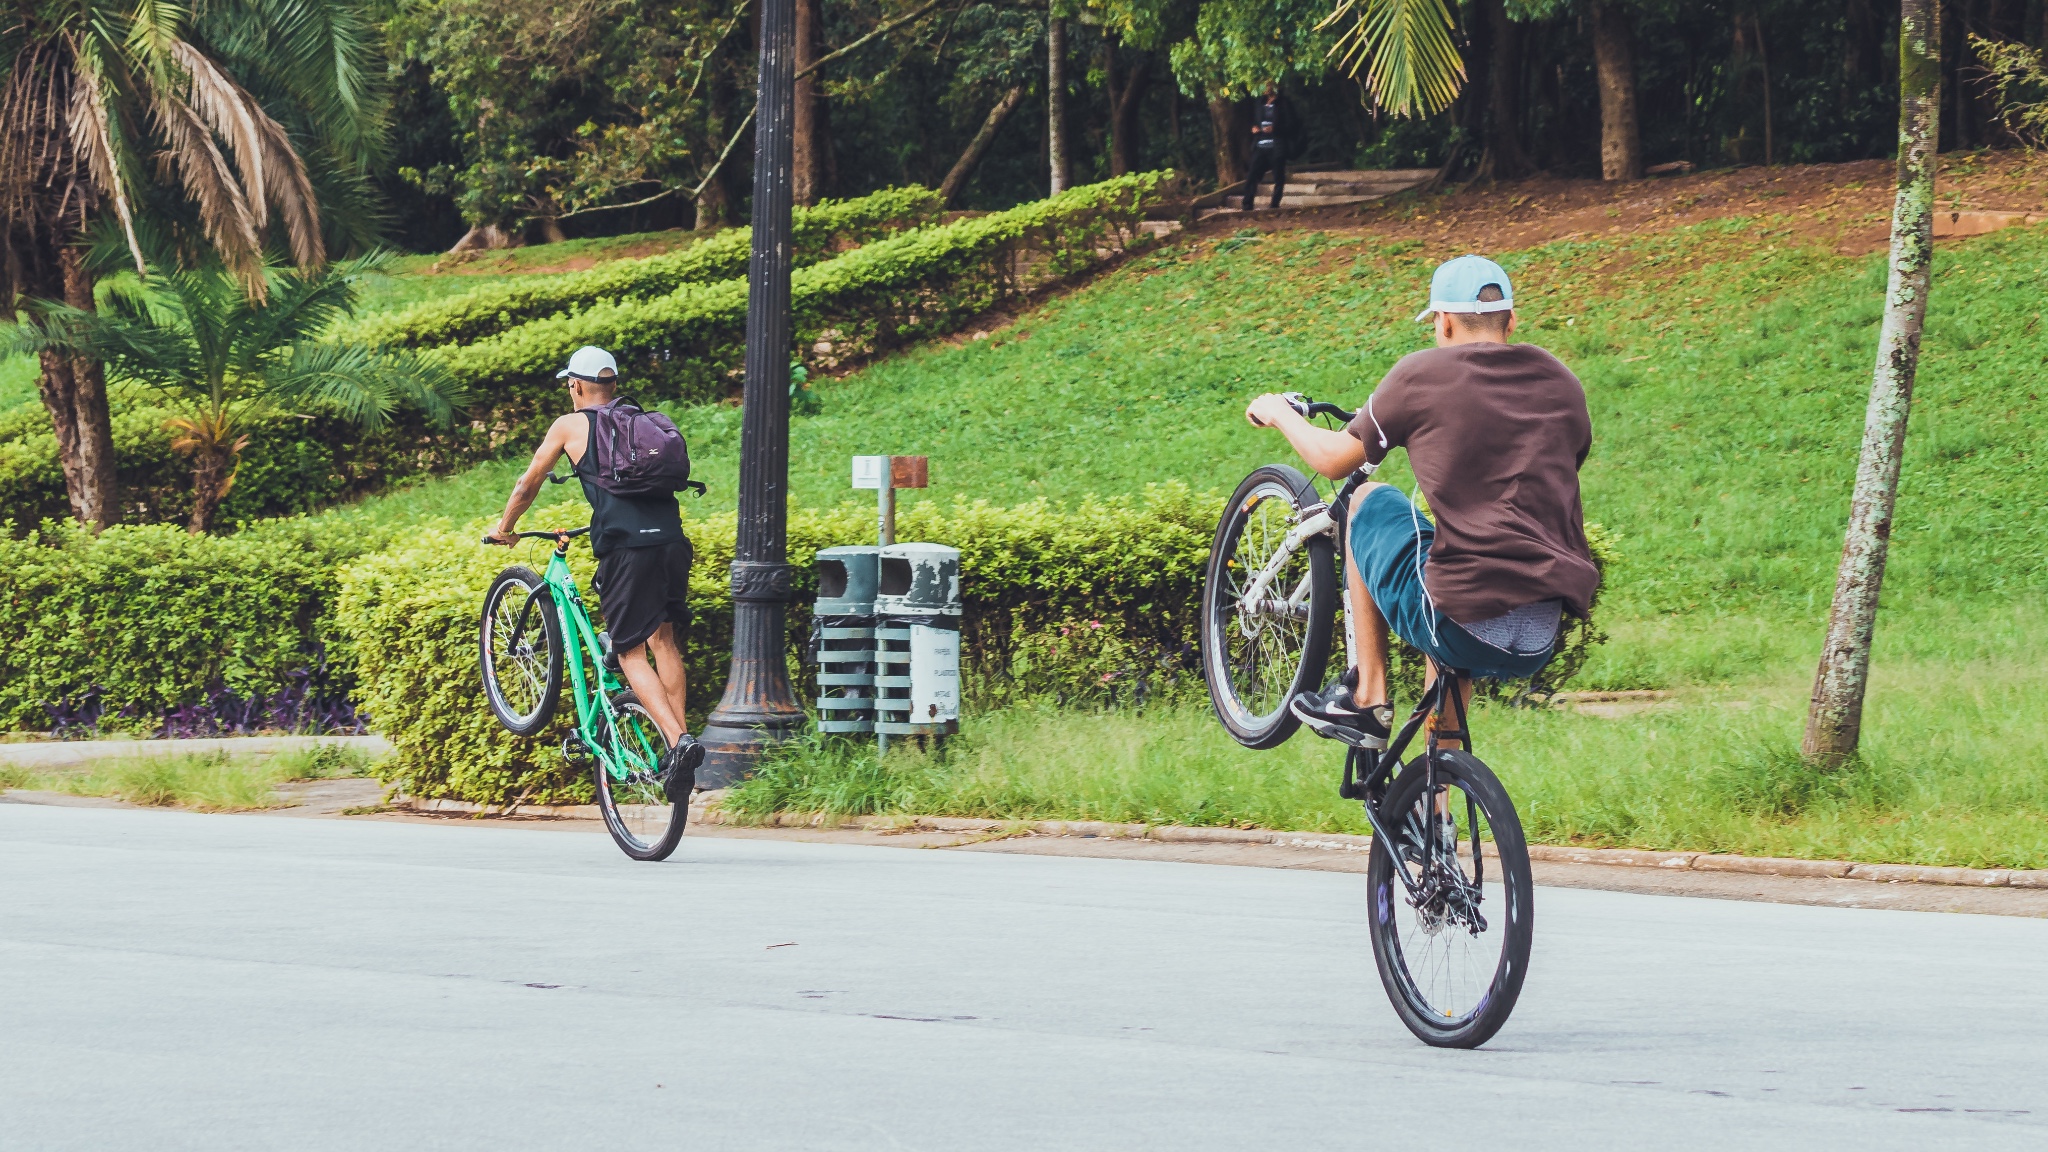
[(1334, 714)]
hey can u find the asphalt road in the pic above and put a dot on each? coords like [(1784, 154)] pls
[(216, 982)]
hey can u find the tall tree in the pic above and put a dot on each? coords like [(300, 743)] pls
[(811, 148), (1505, 157), (1834, 719), (1056, 101), (1614, 60), (1125, 76), (141, 115)]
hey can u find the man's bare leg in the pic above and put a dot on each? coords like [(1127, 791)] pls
[(653, 694), (668, 664), (1371, 627)]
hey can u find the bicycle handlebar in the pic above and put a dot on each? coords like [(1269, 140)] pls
[(1310, 409), (559, 534)]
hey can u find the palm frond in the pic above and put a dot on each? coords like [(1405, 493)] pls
[(223, 210), (1412, 64), (270, 169), (292, 192), (225, 110), (363, 385), (93, 139)]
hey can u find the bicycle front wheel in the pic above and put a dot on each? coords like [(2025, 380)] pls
[(643, 821), (1452, 943), (1266, 619), (519, 641)]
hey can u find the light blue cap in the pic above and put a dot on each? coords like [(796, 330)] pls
[(1456, 286)]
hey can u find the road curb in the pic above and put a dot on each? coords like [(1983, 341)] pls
[(707, 812)]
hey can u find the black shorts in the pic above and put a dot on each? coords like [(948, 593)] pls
[(640, 589)]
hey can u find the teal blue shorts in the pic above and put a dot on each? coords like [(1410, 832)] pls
[(1390, 541)]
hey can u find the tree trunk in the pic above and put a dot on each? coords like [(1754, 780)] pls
[(1621, 141), (1125, 93), (1834, 720), (811, 147), (1763, 58), (1056, 102), (964, 167), (711, 205), (210, 482), (485, 236), (1227, 120), (1507, 158), (74, 392)]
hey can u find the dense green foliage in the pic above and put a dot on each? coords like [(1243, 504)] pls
[(140, 620), (1094, 604), (877, 297), (815, 234), (681, 346)]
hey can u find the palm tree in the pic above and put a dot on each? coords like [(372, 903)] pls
[(1412, 65), (113, 110), (220, 353)]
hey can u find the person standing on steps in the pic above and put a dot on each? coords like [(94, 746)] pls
[(1272, 126), (1495, 434), (643, 559)]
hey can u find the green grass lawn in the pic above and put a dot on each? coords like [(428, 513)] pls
[(208, 781), (1950, 773)]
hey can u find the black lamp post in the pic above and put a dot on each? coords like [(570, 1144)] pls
[(759, 709)]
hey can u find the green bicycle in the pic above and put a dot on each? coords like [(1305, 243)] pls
[(533, 625)]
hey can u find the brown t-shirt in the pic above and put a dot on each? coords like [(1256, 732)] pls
[(1495, 435)]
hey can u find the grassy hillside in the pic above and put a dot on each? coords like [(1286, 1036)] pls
[(1726, 367)]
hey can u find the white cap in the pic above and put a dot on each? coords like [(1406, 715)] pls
[(589, 363)]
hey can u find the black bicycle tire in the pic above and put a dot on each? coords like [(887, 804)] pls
[(1512, 862), (538, 596), (679, 814), (1316, 642)]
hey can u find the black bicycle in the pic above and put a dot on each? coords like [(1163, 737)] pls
[(1452, 899)]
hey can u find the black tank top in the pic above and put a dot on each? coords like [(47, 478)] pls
[(621, 521)]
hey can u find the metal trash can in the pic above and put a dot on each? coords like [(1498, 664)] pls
[(843, 637), (917, 641)]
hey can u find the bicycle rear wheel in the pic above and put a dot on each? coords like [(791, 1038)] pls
[(1257, 654), (519, 642), (643, 821), (1452, 953)]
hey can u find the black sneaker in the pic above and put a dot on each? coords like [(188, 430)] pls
[(679, 769), (1334, 713)]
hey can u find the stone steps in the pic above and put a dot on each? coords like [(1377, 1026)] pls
[(1330, 189)]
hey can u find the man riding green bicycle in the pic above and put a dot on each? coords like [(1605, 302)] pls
[(643, 562)]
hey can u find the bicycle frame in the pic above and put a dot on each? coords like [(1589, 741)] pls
[(593, 694)]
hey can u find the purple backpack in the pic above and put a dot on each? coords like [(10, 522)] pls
[(637, 453)]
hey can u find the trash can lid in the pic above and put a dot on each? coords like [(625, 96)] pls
[(847, 579), (919, 578)]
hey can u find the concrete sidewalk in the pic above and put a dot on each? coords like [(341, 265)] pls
[(189, 981)]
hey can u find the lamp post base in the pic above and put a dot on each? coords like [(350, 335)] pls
[(735, 741)]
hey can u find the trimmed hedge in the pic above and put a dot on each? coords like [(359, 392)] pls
[(144, 620), (1091, 604), (893, 292), (410, 617), (292, 465), (816, 233)]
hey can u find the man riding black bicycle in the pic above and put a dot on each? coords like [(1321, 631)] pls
[(1495, 434)]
